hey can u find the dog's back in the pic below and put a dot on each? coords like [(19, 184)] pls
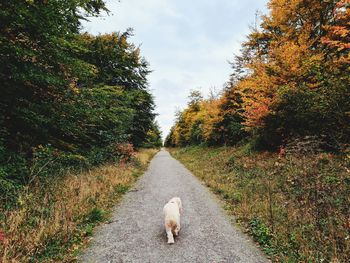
[(172, 218), (171, 210)]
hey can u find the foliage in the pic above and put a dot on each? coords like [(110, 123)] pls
[(295, 205), (210, 121), (338, 32), (54, 218), (154, 137), (260, 232), (125, 151), (68, 99), (292, 87), (290, 80), (118, 63)]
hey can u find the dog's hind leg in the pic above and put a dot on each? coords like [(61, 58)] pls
[(176, 231), (169, 235)]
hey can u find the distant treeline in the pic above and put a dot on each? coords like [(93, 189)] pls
[(68, 99), (291, 80)]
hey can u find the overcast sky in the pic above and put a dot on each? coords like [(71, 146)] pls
[(188, 43)]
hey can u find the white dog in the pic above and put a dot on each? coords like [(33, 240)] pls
[(172, 212)]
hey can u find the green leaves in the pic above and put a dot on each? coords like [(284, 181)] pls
[(75, 95)]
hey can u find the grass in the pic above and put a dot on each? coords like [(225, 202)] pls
[(297, 207), (53, 221)]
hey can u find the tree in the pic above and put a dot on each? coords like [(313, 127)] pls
[(67, 99), (287, 64), (338, 32), (154, 137), (118, 63), (290, 80), (40, 64)]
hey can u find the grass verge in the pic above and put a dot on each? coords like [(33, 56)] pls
[(54, 220), (296, 206)]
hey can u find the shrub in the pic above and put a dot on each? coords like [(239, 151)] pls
[(125, 152)]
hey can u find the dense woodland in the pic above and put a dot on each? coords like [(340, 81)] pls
[(290, 82), (68, 99), (71, 102), (285, 110)]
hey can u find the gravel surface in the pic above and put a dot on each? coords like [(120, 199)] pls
[(136, 232)]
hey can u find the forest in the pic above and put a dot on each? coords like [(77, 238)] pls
[(78, 128), (76, 115), (69, 99), (274, 144), (290, 81)]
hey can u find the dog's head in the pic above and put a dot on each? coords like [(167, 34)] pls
[(177, 200)]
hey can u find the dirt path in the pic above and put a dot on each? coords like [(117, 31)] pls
[(136, 233)]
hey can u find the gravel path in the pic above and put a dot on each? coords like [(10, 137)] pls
[(136, 232)]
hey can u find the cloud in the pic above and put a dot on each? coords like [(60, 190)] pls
[(187, 43)]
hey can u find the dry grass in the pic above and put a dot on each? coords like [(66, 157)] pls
[(53, 221), (295, 206)]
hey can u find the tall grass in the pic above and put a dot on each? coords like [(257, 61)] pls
[(296, 206), (54, 219)]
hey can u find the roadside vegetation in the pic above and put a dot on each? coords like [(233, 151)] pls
[(73, 109), (290, 81), (295, 206), (275, 141), (54, 219)]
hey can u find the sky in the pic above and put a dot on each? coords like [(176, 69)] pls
[(188, 43)]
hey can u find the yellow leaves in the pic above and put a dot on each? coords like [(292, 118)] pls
[(281, 10), (280, 62), (198, 120), (289, 14), (290, 58), (211, 116), (257, 92), (73, 86), (338, 33)]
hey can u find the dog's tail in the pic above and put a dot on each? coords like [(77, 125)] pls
[(172, 224)]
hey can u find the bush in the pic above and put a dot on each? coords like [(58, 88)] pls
[(125, 152)]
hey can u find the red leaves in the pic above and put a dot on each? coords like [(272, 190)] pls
[(256, 112), (125, 151), (338, 32), (2, 236)]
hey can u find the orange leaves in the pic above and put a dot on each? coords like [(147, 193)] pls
[(256, 112), (125, 151), (257, 92), (284, 82), (294, 16), (288, 58), (338, 32)]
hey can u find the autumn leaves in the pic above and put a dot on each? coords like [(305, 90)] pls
[(290, 80)]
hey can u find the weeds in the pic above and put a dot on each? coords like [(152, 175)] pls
[(261, 234), (296, 206), (53, 219)]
